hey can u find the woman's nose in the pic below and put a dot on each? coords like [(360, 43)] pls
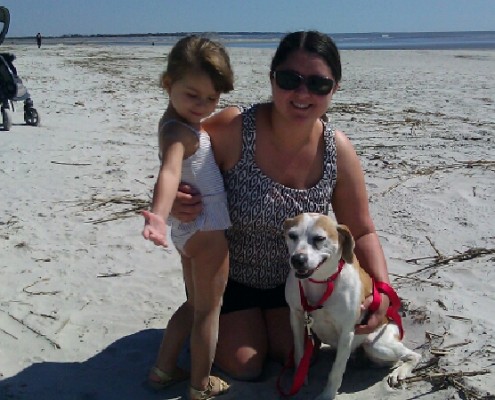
[(302, 89)]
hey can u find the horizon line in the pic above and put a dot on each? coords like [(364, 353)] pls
[(81, 35)]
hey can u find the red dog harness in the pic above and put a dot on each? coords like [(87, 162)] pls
[(303, 367), (393, 308)]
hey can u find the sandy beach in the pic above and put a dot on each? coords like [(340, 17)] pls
[(84, 299)]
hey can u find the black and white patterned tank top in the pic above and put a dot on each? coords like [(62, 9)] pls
[(258, 206)]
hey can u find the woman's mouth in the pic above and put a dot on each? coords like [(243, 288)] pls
[(301, 106)]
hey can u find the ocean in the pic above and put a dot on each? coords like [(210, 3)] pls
[(345, 41), (380, 41)]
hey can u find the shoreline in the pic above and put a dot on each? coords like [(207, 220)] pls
[(462, 40)]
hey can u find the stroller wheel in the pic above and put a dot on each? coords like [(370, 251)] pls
[(31, 117), (7, 119)]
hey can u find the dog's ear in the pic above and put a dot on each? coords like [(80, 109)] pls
[(288, 223), (346, 242)]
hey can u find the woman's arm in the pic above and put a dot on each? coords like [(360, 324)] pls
[(350, 205)]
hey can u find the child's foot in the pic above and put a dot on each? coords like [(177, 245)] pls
[(215, 387), (159, 379)]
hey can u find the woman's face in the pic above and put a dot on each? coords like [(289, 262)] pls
[(302, 104)]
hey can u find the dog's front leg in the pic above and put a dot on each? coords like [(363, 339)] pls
[(339, 365), (297, 325)]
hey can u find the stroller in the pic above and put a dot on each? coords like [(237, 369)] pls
[(11, 87)]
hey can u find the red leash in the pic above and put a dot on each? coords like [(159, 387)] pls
[(393, 309), (303, 367)]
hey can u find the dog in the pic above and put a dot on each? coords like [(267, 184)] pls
[(322, 254)]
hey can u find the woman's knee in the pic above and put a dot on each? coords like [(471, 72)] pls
[(242, 346), (242, 369)]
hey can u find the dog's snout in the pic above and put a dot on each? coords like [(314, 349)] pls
[(299, 260)]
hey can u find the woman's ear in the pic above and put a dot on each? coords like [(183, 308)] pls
[(165, 82), (271, 75)]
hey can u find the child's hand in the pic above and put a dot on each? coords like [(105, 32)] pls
[(155, 228)]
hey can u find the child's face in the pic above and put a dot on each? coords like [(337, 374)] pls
[(193, 97)]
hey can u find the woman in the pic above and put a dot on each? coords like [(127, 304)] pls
[(279, 159)]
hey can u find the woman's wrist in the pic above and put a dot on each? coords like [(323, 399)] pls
[(384, 288)]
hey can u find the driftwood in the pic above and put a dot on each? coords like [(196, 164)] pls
[(52, 317), (440, 259), (469, 254), (461, 164), (443, 379), (447, 349), (431, 370), (444, 375), (487, 164), (97, 202), (25, 289), (135, 205), (36, 332), (458, 317), (67, 163), (8, 334), (399, 276), (114, 274)]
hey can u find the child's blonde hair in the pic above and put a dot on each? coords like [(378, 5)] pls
[(194, 53)]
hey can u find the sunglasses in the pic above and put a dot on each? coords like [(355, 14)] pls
[(290, 80)]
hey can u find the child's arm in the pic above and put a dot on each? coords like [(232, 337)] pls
[(174, 148)]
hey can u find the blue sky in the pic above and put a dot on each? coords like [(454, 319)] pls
[(87, 17)]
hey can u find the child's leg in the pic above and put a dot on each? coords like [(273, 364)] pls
[(178, 328), (210, 269)]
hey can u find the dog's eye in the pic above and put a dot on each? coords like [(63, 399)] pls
[(292, 235), (318, 239)]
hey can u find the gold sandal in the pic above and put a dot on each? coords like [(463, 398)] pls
[(215, 387), (167, 378)]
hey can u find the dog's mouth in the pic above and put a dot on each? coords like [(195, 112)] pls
[(305, 273)]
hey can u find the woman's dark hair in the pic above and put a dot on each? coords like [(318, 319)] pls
[(313, 42)]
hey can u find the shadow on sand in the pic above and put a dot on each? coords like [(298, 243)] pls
[(119, 373), (116, 373)]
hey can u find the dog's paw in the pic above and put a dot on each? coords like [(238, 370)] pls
[(403, 370), (396, 378), (393, 380)]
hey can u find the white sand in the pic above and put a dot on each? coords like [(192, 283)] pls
[(424, 124)]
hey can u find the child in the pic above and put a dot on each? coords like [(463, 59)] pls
[(198, 71)]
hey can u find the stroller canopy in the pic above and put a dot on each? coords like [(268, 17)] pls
[(5, 20)]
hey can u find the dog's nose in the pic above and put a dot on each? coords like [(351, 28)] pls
[(299, 260)]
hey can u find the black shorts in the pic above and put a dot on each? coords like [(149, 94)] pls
[(239, 297)]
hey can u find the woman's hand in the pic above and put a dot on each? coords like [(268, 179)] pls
[(187, 205), (155, 228), (374, 318)]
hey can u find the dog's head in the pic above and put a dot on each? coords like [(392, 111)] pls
[(317, 243)]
